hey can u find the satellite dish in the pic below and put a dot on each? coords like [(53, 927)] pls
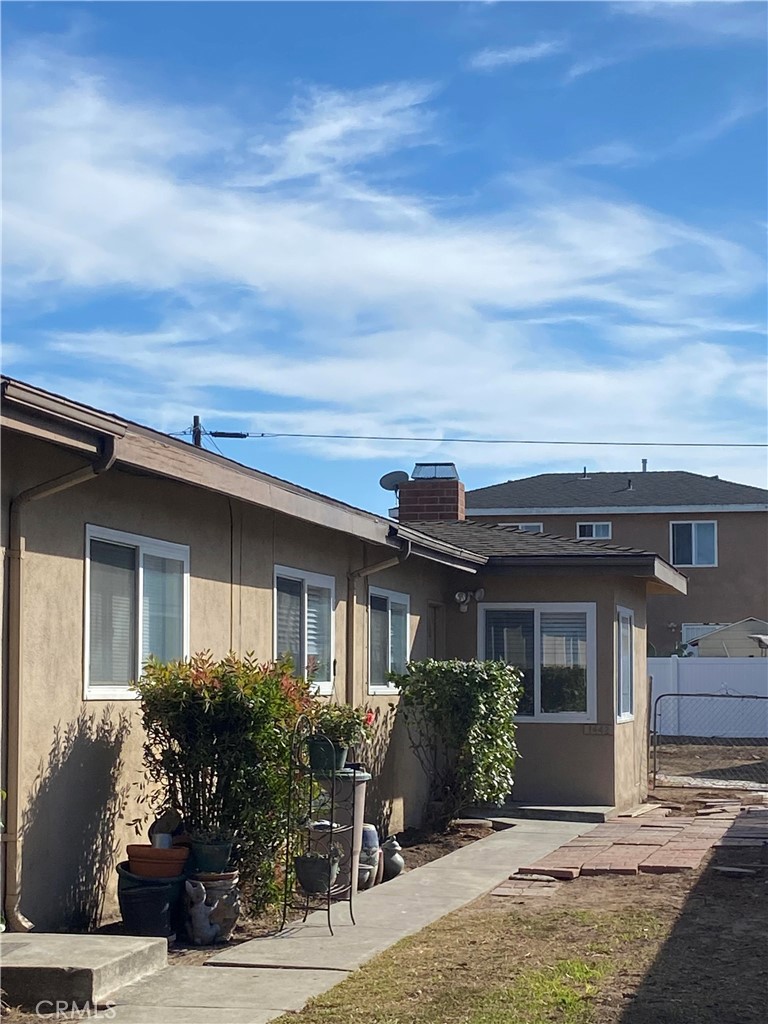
[(391, 481)]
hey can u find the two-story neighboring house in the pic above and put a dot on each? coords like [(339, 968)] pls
[(713, 530)]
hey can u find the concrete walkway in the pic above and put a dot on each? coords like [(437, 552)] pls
[(259, 980)]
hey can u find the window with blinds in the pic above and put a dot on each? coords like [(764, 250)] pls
[(136, 607), (304, 623), (554, 647), (388, 636), (625, 695)]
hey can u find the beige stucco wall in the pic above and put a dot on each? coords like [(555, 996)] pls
[(572, 762), (81, 760), (735, 589)]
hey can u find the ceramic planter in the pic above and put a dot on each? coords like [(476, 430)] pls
[(222, 890), (150, 862)]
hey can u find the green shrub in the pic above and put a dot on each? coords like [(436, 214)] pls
[(217, 742), (460, 717)]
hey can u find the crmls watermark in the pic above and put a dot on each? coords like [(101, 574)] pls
[(60, 1009)]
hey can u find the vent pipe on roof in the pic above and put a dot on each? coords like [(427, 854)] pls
[(645, 465), (629, 484), (584, 474)]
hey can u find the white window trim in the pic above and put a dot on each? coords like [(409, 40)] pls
[(691, 522), (526, 527), (398, 598), (626, 613), (145, 545), (590, 715), (593, 524), (313, 579)]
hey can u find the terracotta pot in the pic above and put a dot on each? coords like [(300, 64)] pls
[(150, 862)]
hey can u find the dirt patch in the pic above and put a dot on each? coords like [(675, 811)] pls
[(689, 800), (421, 847), (736, 761)]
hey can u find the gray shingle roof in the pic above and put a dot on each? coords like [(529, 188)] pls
[(603, 490), (501, 540)]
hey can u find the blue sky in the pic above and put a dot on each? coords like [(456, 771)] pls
[(538, 220)]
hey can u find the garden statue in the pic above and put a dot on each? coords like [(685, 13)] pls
[(202, 931), (393, 858)]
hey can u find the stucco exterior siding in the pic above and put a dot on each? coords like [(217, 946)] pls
[(586, 769), (81, 759)]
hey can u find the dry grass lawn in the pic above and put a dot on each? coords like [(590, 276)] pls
[(674, 949)]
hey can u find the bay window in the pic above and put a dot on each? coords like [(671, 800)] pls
[(554, 646)]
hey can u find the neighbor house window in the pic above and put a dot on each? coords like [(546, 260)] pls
[(593, 531), (304, 623), (528, 527), (388, 636), (694, 543), (554, 646), (625, 683), (136, 605)]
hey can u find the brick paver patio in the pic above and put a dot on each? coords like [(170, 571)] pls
[(653, 844)]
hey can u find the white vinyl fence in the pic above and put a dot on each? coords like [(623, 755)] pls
[(745, 719)]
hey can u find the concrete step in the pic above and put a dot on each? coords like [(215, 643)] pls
[(39, 967), (540, 812)]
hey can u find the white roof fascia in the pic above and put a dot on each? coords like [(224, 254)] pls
[(608, 510)]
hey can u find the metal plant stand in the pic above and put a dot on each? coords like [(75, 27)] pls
[(311, 826)]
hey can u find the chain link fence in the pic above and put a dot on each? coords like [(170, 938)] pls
[(710, 739)]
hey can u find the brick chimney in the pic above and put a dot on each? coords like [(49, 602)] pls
[(434, 494)]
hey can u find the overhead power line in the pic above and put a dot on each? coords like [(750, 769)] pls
[(463, 440)]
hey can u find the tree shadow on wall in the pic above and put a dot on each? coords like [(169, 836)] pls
[(70, 847), (378, 757)]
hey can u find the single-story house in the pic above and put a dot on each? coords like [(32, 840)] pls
[(731, 641), (120, 541)]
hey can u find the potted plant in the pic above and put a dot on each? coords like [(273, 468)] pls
[(316, 872), (336, 727), (218, 735)]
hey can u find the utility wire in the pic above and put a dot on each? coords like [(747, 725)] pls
[(481, 440)]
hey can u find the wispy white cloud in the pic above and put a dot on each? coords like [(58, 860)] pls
[(705, 21), (625, 154), (492, 59), (588, 65), (331, 300), (328, 131)]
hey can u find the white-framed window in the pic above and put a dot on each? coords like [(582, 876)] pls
[(593, 531), (693, 543), (555, 646), (528, 527), (136, 605), (389, 637), (625, 651), (304, 603)]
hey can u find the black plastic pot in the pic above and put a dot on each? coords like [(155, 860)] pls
[(325, 755), (316, 875), (146, 910), (127, 881), (211, 857)]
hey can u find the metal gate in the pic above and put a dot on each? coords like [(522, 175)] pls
[(710, 740)]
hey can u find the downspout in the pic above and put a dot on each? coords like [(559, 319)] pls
[(16, 547), (352, 578)]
